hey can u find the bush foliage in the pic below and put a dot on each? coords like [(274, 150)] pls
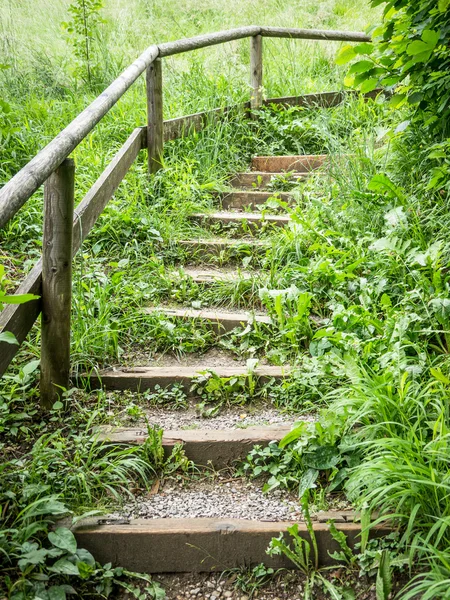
[(410, 55)]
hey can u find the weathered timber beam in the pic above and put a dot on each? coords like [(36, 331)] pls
[(209, 39), (19, 319), (314, 34), (17, 191)]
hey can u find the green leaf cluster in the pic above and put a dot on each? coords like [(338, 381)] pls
[(410, 56)]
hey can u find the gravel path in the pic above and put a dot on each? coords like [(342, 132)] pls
[(213, 357), (231, 418), (238, 499), (239, 585)]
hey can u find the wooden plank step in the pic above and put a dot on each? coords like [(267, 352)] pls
[(202, 248), (240, 200), (299, 163), (252, 220), (220, 321), (218, 275), (177, 545), (139, 379), (260, 179), (217, 448)]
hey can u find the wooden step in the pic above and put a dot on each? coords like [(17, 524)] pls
[(220, 321), (243, 219), (209, 276), (241, 200), (217, 448), (299, 163), (201, 249), (260, 179), (139, 379), (176, 545)]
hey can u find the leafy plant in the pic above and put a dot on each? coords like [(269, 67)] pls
[(410, 55), (5, 298), (83, 29)]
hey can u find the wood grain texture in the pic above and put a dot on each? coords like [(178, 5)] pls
[(321, 99), (204, 544), (147, 378), (314, 34), (155, 133), (217, 448), (209, 39), (19, 319), (57, 282), (256, 71), (17, 191)]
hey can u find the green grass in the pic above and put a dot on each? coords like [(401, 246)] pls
[(357, 286)]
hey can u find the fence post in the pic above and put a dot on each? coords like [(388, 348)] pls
[(256, 72), (56, 282), (155, 139)]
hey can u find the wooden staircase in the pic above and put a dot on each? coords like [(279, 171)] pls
[(203, 544)]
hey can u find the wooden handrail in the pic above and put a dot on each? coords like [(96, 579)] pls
[(16, 192), (50, 278)]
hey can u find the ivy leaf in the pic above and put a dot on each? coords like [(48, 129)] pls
[(63, 538)]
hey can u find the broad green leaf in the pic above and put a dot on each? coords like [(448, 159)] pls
[(34, 557), (8, 338), (402, 126), (439, 375), (86, 557), (397, 100), (30, 367), (362, 66), (364, 48), (57, 592), (369, 85), (18, 298), (293, 435), (430, 37), (382, 184), (325, 457), (443, 5), (417, 47), (345, 55), (384, 577), (63, 538), (307, 481), (64, 567)]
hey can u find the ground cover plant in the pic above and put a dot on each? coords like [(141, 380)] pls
[(357, 286)]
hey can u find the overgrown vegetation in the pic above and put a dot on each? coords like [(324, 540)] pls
[(357, 287)]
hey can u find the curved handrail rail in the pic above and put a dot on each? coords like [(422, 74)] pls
[(19, 188)]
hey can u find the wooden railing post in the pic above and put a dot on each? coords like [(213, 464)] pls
[(155, 139), (256, 71), (57, 282)]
